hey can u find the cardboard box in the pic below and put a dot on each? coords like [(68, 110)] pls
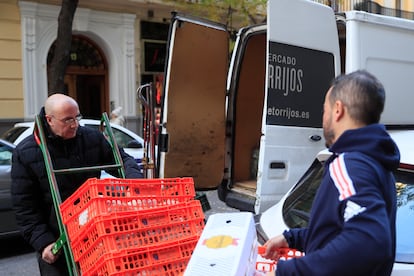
[(227, 246)]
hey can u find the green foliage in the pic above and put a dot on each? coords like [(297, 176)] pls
[(232, 13)]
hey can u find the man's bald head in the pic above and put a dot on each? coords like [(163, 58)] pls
[(58, 102), (62, 113)]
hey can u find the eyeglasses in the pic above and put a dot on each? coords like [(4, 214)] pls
[(69, 121)]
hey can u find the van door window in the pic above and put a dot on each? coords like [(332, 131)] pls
[(293, 83)]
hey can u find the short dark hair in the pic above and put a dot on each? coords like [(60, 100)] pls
[(362, 94)]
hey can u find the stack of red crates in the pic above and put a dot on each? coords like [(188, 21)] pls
[(133, 226)]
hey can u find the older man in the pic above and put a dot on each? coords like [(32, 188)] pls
[(70, 146)]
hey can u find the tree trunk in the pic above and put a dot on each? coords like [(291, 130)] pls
[(57, 67)]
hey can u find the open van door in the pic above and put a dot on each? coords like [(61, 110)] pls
[(302, 59), (193, 105), (219, 121)]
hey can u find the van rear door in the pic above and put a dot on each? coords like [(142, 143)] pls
[(193, 112), (302, 60)]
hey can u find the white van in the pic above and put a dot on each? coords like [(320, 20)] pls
[(251, 125)]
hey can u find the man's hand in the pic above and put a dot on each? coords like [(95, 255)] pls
[(47, 254), (272, 245)]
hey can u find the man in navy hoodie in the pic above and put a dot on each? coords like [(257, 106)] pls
[(351, 230)]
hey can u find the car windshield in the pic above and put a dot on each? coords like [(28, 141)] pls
[(12, 134), (405, 216), (296, 208), (122, 139)]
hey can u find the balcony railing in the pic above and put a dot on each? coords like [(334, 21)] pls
[(364, 5)]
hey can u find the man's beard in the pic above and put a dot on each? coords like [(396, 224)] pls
[(328, 140), (329, 134)]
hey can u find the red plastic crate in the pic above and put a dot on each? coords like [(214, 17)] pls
[(141, 229), (98, 197), (169, 259), (284, 253)]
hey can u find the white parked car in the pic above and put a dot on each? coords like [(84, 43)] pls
[(128, 140), (294, 208), (131, 142)]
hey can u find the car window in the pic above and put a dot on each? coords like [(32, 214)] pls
[(405, 216), (122, 139), (5, 154), (12, 134), (296, 208)]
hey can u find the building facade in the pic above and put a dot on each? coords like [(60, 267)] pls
[(109, 59), (117, 46)]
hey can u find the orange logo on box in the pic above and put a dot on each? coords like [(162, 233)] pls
[(220, 241)]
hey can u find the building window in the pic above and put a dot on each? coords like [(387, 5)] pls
[(154, 53), (153, 30), (82, 54)]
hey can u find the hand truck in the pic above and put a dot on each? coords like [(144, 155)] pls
[(63, 241), (147, 98)]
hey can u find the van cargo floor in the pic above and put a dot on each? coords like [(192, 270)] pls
[(245, 187)]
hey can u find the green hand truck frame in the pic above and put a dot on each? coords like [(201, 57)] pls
[(39, 134)]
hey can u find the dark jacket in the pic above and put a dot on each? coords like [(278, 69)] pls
[(30, 190), (352, 224)]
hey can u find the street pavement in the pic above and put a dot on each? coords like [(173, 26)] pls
[(217, 206)]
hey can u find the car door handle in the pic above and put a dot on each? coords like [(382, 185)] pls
[(277, 165)]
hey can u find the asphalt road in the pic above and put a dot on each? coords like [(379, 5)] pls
[(16, 258), (217, 206)]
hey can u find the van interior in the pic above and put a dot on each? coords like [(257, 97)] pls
[(248, 112)]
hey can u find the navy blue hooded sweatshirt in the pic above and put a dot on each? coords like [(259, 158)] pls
[(352, 224)]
